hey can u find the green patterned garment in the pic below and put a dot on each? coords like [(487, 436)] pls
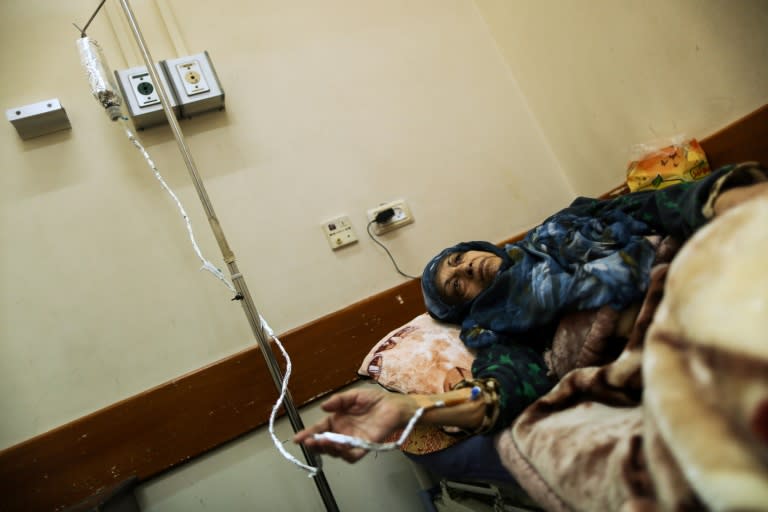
[(521, 373)]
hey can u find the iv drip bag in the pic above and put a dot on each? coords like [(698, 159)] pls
[(102, 83)]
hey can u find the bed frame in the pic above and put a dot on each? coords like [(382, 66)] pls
[(142, 436)]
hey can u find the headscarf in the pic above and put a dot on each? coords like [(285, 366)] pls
[(569, 261), (436, 306)]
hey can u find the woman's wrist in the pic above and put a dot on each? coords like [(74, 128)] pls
[(407, 406), (441, 400), (455, 408)]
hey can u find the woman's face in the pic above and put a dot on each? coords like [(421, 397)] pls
[(461, 276)]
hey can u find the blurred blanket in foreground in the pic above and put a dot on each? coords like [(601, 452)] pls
[(680, 420)]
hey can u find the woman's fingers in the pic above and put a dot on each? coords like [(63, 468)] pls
[(327, 447), (305, 436), (352, 413), (353, 454), (354, 401), (336, 402)]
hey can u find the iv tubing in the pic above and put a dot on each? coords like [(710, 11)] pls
[(238, 281)]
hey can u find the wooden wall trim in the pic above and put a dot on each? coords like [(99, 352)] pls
[(743, 140), (168, 425)]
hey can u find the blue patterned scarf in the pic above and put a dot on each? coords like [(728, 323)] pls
[(570, 262)]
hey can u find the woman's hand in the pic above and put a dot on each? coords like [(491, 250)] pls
[(370, 414)]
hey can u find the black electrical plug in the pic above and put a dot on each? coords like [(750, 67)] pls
[(384, 215)]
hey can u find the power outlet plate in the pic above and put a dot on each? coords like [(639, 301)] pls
[(339, 232), (402, 216)]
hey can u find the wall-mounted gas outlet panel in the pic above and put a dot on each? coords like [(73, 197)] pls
[(141, 96), (192, 78), (197, 86)]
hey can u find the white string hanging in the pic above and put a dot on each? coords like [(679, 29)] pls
[(105, 90), (279, 403), (330, 436), (207, 265)]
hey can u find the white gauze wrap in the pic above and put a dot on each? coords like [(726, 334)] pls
[(102, 83)]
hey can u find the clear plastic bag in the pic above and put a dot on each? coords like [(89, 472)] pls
[(659, 164)]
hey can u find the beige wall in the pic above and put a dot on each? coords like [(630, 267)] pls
[(602, 75), (332, 108)]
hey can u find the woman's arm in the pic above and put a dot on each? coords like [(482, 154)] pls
[(375, 414)]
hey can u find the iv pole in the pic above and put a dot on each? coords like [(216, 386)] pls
[(238, 281)]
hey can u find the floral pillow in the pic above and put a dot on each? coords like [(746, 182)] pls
[(423, 356)]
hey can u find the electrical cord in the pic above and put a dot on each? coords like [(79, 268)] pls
[(381, 217)]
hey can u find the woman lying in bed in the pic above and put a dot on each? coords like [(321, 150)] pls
[(594, 253)]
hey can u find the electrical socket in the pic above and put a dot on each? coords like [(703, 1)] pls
[(402, 216), (339, 232)]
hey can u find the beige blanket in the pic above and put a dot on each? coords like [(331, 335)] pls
[(680, 420)]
